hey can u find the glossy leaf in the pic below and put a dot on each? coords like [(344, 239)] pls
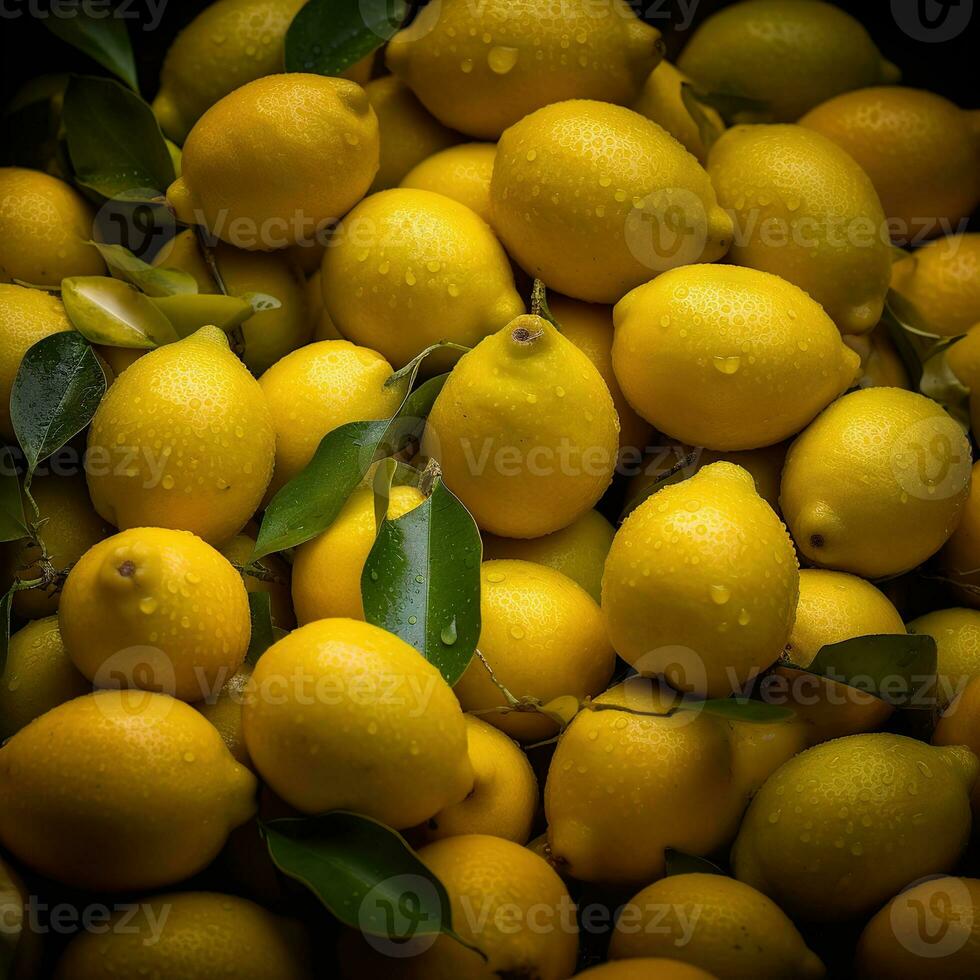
[(13, 526), (110, 311), (735, 108), (260, 612), (55, 394), (939, 383), (708, 130), (151, 280), (101, 35), (680, 863), (744, 709), (188, 313)]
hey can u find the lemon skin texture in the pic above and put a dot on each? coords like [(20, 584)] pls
[(408, 133), (544, 638), (461, 172), (808, 213), (879, 811), (409, 268), (317, 388), (70, 528), (701, 583), (646, 968), (38, 675), (183, 439), (578, 551), (920, 150), (960, 725), (481, 71), (120, 790), (942, 281), (45, 228), (963, 359), (716, 923), (786, 55), (728, 358), (577, 192), (199, 935), (341, 715), (327, 570), (960, 557), (224, 711), (504, 797), (277, 159), (500, 431), (661, 102), (876, 484), (957, 636), (159, 589), (589, 326), (26, 316)]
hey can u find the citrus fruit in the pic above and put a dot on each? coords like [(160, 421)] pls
[(461, 172)]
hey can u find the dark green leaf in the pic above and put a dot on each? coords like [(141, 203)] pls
[(421, 581), (114, 141), (101, 35), (30, 125), (914, 344), (735, 108), (260, 612), (744, 709), (12, 524), (679, 863), (328, 36), (708, 130), (150, 279), (5, 604), (55, 394)]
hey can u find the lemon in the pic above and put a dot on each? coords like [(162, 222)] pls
[(960, 725), (183, 439), (960, 558), (481, 70), (120, 790), (837, 830), (275, 581), (500, 430), (192, 935), (323, 326), (543, 637), (578, 551), (701, 583), (728, 358), (646, 968), (38, 675), (277, 160), (504, 797), (45, 229), (963, 359), (224, 711), (589, 326), (919, 149), (306, 255), (461, 172), (876, 484), (957, 636), (26, 316), (407, 132), (595, 199), (70, 527), (881, 365), (807, 212), (716, 923), (342, 715), (787, 55), (327, 570), (317, 389), (156, 609), (409, 268), (942, 281), (661, 102)]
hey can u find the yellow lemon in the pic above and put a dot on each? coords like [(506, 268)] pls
[(960, 557), (596, 199), (834, 854), (341, 715), (500, 430), (960, 725), (957, 636), (155, 609), (183, 439), (805, 211), (786, 55), (881, 365), (45, 229), (460, 172), (481, 70), (543, 637), (716, 923), (876, 484), (323, 326), (192, 935), (120, 790), (646, 968), (275, 580), (224, 711), (409, 268), (728, 358), (327, 570), (919, 149), (277, 160), (701, 583)]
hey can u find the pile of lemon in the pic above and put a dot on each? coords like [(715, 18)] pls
[(719, 295)]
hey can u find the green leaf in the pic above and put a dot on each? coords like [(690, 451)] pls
[(188, 313), (939, 383), (384, 475), (734, 108), (680, 863), (5, 605), (102, 37), (110, 311), (151, 280), (260, 612), (114, 141), (12, 524), (30, 125), (915, 345), (328, 36), (743, 709), (708, 129), (55, 394), (421, 581)]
